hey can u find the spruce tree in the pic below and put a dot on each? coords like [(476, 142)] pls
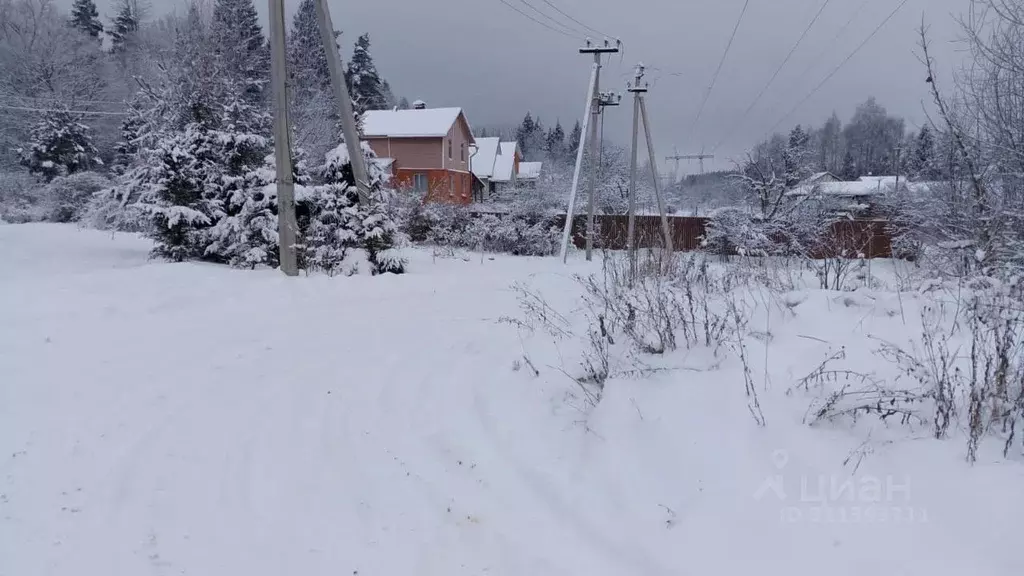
[(524, 133), (306, 56), (179, 197), (241, 49), (922, 162), (86, 18), (555, 143), (125, 24), (60, 145), (797, 157), (338, 232), (574, 139), (368, 90)]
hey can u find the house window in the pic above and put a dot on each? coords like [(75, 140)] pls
[(449, 148), (419, 183), (451, 185), (463, 151)]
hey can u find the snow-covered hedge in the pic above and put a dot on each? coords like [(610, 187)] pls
[(64, 199), (69, 196), (522, 231), (21, 198)]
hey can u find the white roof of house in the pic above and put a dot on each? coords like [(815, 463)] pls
[(486, 153), (505, 162), (530, 170), (428, 123), (865, 186)]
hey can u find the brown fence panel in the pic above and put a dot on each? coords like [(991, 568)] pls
[(850, 237)]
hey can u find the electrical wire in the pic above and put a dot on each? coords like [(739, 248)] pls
[(548, 26), (775, 75), (59, 100), (560, 11), (721, 63), (81, 112), (840, 66), (554, 21), (821, 55)]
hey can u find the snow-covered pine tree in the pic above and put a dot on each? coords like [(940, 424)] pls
[(238, 42), (922, 162), (574, 139), (247, 233), (338, 232), (60, 145), (307, 60), (125, 24), (178, 196), (368, 90), (86, 18), (797, 157), (555, 144), (313, 106), (524, 134)]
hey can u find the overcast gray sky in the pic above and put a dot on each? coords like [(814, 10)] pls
[(497, 64)]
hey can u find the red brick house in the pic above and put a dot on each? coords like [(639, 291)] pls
[(428, 148)]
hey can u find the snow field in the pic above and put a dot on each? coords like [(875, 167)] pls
[(192, 419)]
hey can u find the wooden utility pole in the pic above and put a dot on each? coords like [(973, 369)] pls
[(571, 207), (699, 157), (287, 225), (665, 228), (343, 100), (637, 89), (595, 112)]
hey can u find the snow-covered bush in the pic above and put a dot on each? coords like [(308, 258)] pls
[(22, 198), (966, 373), (632, 318), (517, 234), (59, 145), (69, 196), (736, 231), (523, 231)]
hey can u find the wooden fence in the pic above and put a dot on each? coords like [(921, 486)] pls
[(850, 238)]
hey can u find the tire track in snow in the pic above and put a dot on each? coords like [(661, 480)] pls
[(632, 561)]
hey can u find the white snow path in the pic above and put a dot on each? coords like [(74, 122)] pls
[(190, 419)]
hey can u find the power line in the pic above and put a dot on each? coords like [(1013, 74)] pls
[(718, 71), (839, 34), (775, 75), (548, 26), (560, 11), (554, 21), (841, 64), (81, 112), (72, 100)]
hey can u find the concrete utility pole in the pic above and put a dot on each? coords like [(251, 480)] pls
[(637, 89), (343, 101), (699, 157), (595, 112), (665, 228), (287, 225), (571, 207)]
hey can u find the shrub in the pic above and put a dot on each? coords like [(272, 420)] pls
[(69, 196), (21, 198)]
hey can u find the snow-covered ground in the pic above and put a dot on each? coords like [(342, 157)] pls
[(191, 419)]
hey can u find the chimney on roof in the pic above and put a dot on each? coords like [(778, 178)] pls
[(419, 105)]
